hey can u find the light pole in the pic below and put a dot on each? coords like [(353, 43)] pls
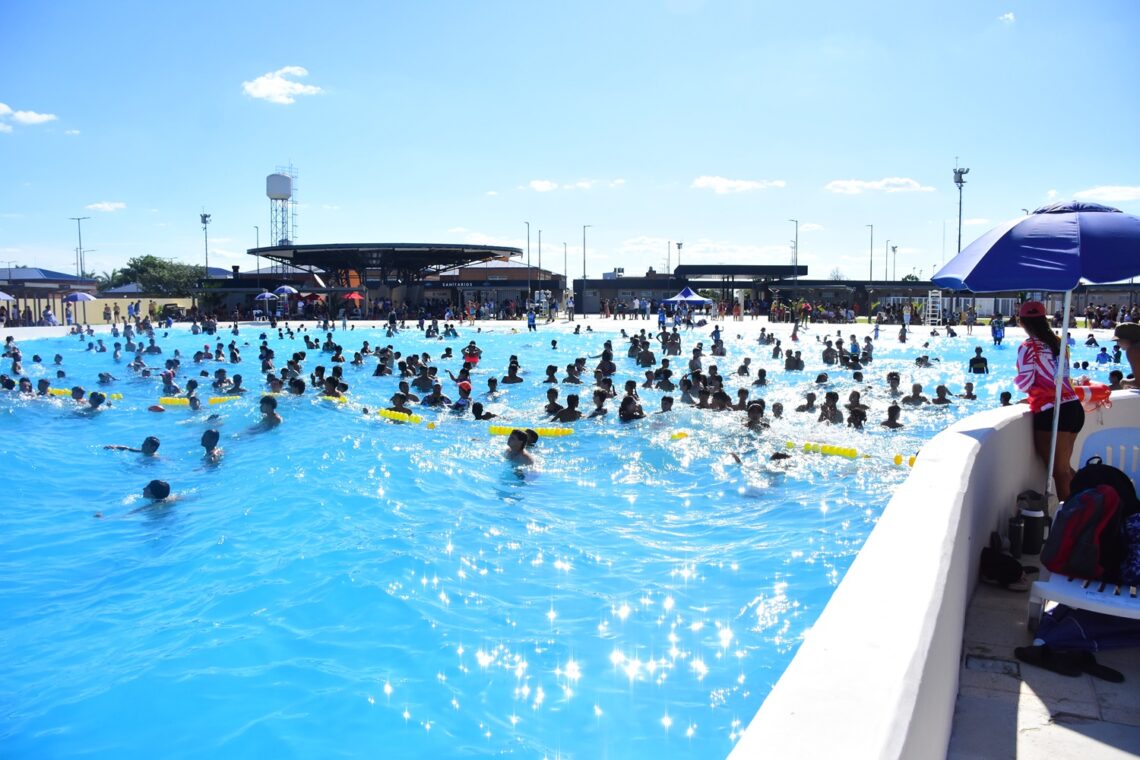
[(886, 258), (871, 270), (894, 262), (584, 227), (206, 241), (257, 256), (79, 263), (679, 253), (1026, 211), (960, 181), (796, 250), (527, 262), (540, 259), (565, 274)]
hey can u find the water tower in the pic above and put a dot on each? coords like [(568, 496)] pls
[(279, 188)]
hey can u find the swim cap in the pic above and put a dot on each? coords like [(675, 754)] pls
[(464, 386), (1032, 309)]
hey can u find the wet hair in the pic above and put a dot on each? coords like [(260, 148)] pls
[(159, 489)]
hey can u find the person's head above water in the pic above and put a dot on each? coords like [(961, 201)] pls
[(210, 439), (157, 490)]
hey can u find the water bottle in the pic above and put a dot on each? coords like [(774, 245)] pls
[(1017, 536), (1033, 531)]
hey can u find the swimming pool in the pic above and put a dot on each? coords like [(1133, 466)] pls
[(343, 585)]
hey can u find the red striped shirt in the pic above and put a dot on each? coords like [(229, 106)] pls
[(1036, 372)]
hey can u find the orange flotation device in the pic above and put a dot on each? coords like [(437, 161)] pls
[(1092, 395)]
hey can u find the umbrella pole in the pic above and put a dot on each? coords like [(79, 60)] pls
[(1058, 381)]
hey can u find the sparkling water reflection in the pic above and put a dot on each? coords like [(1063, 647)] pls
[(344, 585)]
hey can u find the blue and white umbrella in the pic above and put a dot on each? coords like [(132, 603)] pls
[(5, 297), (1053, 249), (286, 290), (73, 297), (265, 297)]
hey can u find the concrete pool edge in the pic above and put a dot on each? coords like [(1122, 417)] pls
[(877, 676)]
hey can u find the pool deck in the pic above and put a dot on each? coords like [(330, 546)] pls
[(1007, 709)]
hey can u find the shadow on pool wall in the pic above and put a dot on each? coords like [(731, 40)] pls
[(880, 667)]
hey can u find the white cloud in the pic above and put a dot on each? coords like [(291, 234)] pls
[(457, 230), (810, 227), (976, 221), (542, 185), (887, 185), (106, 206), (652, 251), (277, 88), (724, 185), (582, 184), (1110, 193), (71, 132), (1006, 18), (492, 192), (617, 182), (480, 238), (1051, 194), (22, 117), (225, 253), (31, 117)]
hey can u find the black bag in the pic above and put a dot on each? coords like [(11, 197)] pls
[(1096, 473), (1112, 547)]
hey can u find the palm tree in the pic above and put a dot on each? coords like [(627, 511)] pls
[(108, 280)]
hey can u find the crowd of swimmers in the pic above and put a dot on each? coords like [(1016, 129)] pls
[(691, 378)]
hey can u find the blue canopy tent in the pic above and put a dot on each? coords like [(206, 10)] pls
[(689, 297), (1052, 249)]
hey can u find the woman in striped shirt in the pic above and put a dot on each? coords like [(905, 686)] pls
[(1036, 376)]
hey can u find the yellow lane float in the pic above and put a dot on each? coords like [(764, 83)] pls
[(679, 435), (336, 399), (174, 401), (549, 432), (223, 399), (387, 414)]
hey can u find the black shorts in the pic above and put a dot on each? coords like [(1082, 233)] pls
[(1072, 418)]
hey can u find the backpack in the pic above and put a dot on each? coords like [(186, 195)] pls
[(1096, 473), (1085, 540)]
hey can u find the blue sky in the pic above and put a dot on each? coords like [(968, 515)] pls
[(711, 123)]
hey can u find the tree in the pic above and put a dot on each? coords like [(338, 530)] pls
[(162, 277), (107, 280), (837, 275), (910, 278)]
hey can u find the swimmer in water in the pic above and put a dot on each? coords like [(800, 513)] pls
[(892, 420), (210, 443), (149, 447), (269, 416), (516, 448)]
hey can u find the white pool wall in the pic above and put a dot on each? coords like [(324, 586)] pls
[(877, 676)]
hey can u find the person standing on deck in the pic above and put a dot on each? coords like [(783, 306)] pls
[(1037, 360)]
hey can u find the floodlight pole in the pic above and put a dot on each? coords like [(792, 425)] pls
[(886, 258), (894, 262), (206, 240), (540, 259), (584, 228), (796, 251), (527, 263), (257, 252), (871, 269), (79, 263)]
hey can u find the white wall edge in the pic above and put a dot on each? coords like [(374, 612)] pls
[(877, 675)]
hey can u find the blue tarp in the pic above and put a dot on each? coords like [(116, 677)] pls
[(1052, 249)]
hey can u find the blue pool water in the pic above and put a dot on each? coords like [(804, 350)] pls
[(344, 586)]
